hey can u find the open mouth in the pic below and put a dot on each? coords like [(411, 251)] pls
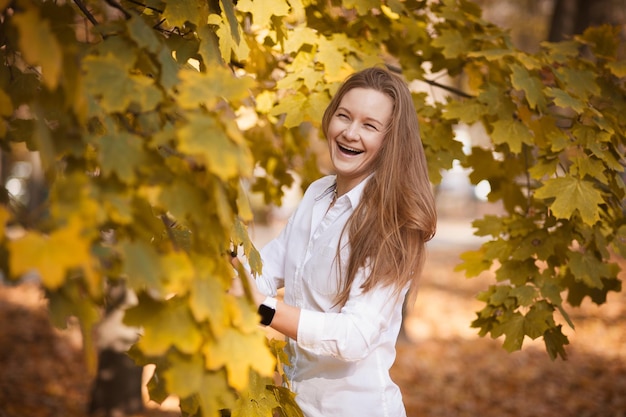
[(349, 151)]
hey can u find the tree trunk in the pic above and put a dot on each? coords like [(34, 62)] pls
[(572, 17)]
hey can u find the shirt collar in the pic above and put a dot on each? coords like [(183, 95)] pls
[(354, 195)]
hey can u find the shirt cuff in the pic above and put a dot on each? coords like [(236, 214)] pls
[(310, 329)]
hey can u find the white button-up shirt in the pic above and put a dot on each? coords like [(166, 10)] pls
[(340, 362)]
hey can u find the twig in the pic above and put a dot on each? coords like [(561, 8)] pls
[(115, 5), (86, 12), (434, 83)]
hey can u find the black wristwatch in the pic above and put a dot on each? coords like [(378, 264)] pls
[(267, 309)]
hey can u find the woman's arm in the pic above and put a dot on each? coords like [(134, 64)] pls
[(286, 317)]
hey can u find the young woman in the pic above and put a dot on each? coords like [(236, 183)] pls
[(350, 253)]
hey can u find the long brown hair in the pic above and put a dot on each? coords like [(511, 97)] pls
[(396, 216)]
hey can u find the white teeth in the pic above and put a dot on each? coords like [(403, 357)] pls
[(351, 150)]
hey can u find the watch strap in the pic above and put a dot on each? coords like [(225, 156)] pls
[(267, 309)]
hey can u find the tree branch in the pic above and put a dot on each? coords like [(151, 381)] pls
[(447, 88), (86, 12), (434, 83), (115, 5)]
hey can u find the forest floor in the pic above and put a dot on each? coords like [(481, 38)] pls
[(443, 367)]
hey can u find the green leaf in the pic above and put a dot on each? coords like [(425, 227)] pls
[(205, 137), (532, 86), (525, 295), (512, 132), (513, 329), (111, 146), (588, 268), (538, 320), (571, 194), (108, 78), (143, 34), (554, 340), (165, 325), (467, 111), (141, 265), (581, 83), (563, 99), (452, 42)]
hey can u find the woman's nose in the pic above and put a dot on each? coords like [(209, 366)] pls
[(351, 132)]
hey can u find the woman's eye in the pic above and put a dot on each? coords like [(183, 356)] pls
[(370, 126)]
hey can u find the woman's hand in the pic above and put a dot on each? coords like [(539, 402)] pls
[(240, 287)]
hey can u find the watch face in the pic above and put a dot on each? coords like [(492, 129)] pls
[(267, 314)]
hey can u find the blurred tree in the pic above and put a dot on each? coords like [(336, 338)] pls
[(572, 17)]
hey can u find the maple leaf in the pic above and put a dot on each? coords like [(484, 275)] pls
[(239, 352), (208, 301), (581, 83), (563, 99), (204, 136), (179, 12), (51, 255), (617, 68), (362, 6), (261, 12), (39, 45), (469, 111), (588, 268), (572, 194), (511, 132), (208, 89), (227, 44), (512, 328), (452, 42), (164, 324), (114, 144), (141, 265), (107, 77), (530, 85)]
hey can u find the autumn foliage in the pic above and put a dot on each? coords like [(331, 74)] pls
[(153, 122)]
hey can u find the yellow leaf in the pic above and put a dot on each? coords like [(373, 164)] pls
[(227, 44), (51, 255), (5, 215), (239, 352), (178, 271), (570, 195), (618, 68), (165, 325), (243, 204), (180, 11), (262, 12), (204, 136), (208, 89), (298, 37), (6, 106), (39, 45)]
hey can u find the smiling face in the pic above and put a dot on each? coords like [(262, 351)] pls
[(355, 134)]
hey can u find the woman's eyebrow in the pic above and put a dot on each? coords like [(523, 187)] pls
[(367, 119)]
